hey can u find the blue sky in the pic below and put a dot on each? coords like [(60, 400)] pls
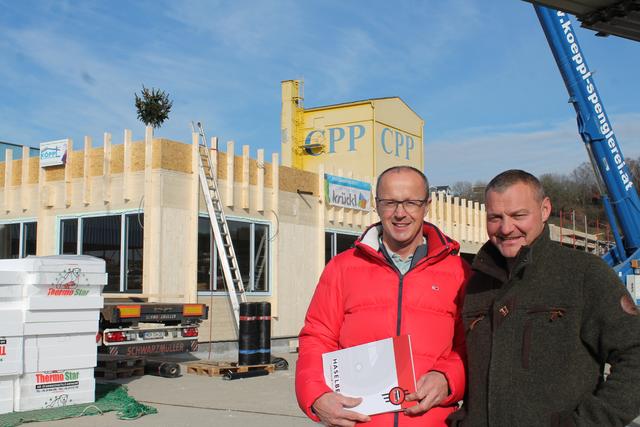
[(480, 74)]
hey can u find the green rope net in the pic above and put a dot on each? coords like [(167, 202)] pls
[(109, 397)]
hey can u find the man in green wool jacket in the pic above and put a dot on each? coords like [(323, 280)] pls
[(541, 321)]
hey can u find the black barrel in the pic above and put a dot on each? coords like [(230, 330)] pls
[(249, 374), (161, 368), (248, 334), (264, 332)]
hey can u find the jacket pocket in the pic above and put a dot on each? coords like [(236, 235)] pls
[(455, 418), (537, 314), (473, 318)]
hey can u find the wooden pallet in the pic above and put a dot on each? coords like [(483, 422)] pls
[(216, 369), (109, 361), (107, 374), (111, 367)]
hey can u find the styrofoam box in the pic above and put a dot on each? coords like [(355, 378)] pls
[(56, 328), (72, 277), (95, 302), (90, 315), (55, 263), (7, 384), (55, 352), (11, 285), (11, 342), (53, 389), (11, 355), (11, 321)]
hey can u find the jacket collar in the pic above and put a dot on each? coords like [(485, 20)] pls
[(490, 261), (437, 242)]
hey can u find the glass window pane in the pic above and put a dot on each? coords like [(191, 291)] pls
[(29, 236), (218, 280), (101, 238), (261, 257), (204, 254), (69, 236), (241, 238), (243, 242), (344, 242), (328, 251), (9, 241), (135, 224)]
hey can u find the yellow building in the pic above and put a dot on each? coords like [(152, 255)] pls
[(364, 137), (139, 206)]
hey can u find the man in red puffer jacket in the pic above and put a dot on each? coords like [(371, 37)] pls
[(403, 277)]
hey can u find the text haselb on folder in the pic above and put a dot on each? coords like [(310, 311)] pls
[(380, 372)]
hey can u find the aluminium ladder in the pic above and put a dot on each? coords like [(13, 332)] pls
[(224, 244)]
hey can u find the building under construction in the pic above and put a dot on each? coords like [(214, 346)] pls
[(139, 206)]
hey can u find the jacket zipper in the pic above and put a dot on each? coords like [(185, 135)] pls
[(396, 416)]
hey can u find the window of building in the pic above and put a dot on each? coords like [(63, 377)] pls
[(69, 236), (251, 245), (335, 242), (17, 240), (101, 238), (134, 233), (29, 235), (115, 238)]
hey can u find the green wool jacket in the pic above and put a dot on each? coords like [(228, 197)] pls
[(538, 340)]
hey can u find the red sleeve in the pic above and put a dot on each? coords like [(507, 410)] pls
[(319, 335), (453, 366)]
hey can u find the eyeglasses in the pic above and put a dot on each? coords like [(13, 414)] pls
[(390, 205)]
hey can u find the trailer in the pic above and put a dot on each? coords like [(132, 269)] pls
[(149, 329)]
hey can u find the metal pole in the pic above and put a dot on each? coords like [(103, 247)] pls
[(573, 221), (586, 234)]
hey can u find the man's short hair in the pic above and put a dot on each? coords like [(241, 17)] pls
[(397, 169), (511, 177)]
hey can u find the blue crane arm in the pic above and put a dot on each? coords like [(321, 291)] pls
[(620, 197)]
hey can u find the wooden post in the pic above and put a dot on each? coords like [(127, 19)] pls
[(126, 182), (106, 169), (275, 241), (456, 218), (86, 176), (68, 175), (245, 177), (260, 180), (24, 193), (8, 175), (449, 215), (230, 173)]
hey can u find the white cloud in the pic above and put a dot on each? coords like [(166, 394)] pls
[(480, 154)]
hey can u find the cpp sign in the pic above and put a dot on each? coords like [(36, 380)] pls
[(392, 141), (396, 143), (336, 135)]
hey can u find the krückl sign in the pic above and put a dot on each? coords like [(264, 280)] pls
[(347, 193)]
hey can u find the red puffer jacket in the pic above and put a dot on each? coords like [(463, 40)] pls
[(362, 298)]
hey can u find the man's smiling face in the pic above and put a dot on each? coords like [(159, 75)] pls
[(402, 224), (515, 217)]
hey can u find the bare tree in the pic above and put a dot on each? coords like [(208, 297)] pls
[(634, 168), (462, 189)]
